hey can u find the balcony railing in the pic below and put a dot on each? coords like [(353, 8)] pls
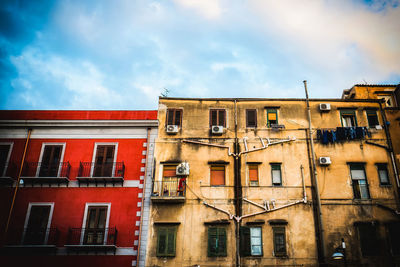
[(169, 188), (8, 172), (92, 169), (92, 236), (41, 169), (32, 237)]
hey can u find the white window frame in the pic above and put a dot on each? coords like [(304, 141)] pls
[(94, 155), (49, 219), (87, 205), (8, 157), (41, 156), (251, 240)]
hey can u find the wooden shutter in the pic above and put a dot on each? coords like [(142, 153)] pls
[(217, 117), (169, 171), (171, 242), (4, 150), (162, 241), (251, 118), (212, 240), (221, 242), (221, 118), (253, 173), (104, 161), (279, 241), (50, 161), (217, 175), (37, 225), (245, 248)]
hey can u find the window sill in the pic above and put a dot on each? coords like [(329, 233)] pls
[(385, 185)]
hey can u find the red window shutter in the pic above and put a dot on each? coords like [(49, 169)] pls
[(253, 173), (217, 175)]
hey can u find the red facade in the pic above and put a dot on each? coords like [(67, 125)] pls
[(79, 200)]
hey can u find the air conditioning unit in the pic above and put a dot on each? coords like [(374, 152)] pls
[(182, 169), (324, 107), (172, 129), (325, 160), (217, 129)]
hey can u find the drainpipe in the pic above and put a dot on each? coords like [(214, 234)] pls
[(314, 175), (17, 185), (390, 150)]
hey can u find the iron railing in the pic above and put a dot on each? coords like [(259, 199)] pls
[(170, 187), (32, 237), (42, 169), (92, 236), (92, 169)]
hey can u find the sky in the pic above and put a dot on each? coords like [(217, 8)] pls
[(123, 54)]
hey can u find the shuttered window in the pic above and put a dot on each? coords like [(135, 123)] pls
[(217, 175), (383, 174), (217, 117), (279, 241), (4, 152), (216, 242), (359, 181), (250, 241), (166, 241), (174, 117), (251, 118), (276, 174), (253, 175), (372, 118), (272, 117)]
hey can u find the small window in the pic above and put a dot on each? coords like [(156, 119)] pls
[(272, 117), (217, 117), (279, 241), (253, 174), (217, 175), (359, 181), (104, 161), (170, 182), (367, 233), (166, 241), (383, 173), (348, 118), (250, 241), (393, 233), (251, 118), (50, 161), (276, 174), (174, 117), (216, 242), (372, 118), (5, 150), (388, 100)]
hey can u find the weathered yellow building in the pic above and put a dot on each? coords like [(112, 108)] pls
[(236, 183)]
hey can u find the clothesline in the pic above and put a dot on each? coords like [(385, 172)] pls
[(342, 134)]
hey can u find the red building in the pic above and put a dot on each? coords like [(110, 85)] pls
[(80, 198)]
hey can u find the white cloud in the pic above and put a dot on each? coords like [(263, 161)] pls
[(210, 9)]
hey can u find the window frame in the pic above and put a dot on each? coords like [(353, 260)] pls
[(218, 116), (370, 234), (44, 144), (276, 166), (174, 116), (369, 113), (250, 166), (359, 166), (168, 229), (85, 217), (379, 168), (246, 241), (247, 118), (115, 144), (217, 166), (279, 229), (346, 113), (220, 232), (7, 162), (272, 111), (49, 219)]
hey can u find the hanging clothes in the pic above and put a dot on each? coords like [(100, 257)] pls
[(325, 139), (340, 133), (319, 135), (359, 133)]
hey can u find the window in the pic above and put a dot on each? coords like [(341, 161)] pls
[(169, 181), (253, 174), (383, 173), (250, 241), (37, 224), (217, 117), (279, 241), (166, 240), (388, 100), (217, 175), (216, 242), (348, 118), (372, 118), (5, 151), (272, 117), (367, 234), (95, 225), (360, 186), (104, 161), (50, 160), (251, 118), (174, 117), (393, 233), (276, 174)]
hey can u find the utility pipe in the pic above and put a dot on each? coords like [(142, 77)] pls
[(315, 176), (304, 185), (17, 185)]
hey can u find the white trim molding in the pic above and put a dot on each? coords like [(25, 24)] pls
[(87, 205), (28, 214), (41, 156), (115, 144)]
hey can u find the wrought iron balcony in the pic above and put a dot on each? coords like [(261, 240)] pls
[(105, 172), (40, 172), (170, 189), (92, 239)]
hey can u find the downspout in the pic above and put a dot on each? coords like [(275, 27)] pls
[(237, 186), (390, 150), (143, 198), (314, 175), (17, 185)]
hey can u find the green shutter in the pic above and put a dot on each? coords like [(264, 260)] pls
[(162, 241), (166, 241), (245, 248), (212, 240), (221, 242), (171, 242)]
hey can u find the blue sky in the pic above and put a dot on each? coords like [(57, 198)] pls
[(121, 54)]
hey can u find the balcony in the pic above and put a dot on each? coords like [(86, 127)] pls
[(8, 173), (92, 239), (31, 240), (91, 172), (169, 190), (43, 173)]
